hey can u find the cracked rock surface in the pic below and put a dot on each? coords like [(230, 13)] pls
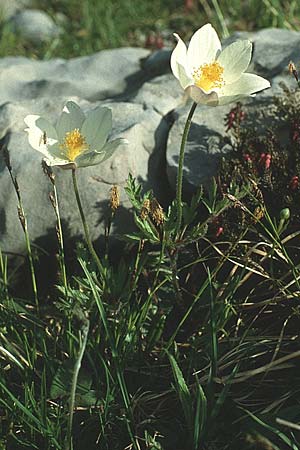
[(148, 109)]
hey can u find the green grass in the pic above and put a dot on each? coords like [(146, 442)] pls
[(186, 341), (92, 25)]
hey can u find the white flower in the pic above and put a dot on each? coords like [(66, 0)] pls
[(211, 75), (76, 141)]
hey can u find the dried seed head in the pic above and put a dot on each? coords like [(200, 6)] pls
[(22, 218), (48, 171), (293, 71), (114, 198), (52, 200), (157, 213), (145, 209)]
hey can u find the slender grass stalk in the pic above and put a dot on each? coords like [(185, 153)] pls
[(82, 342), (30, 418), (85, 225), (3, 272), (54, 201), (213, 331), (137, 266), (23, 221), (60, 241), (202, 289), (114, 351), (173, 263), (225, 32), (180, 167), (277, 14)]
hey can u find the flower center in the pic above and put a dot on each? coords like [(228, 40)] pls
[(209, 76), (74, 144)]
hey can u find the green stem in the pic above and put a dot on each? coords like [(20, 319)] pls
[(60, 241), (32, 272), (83, 341), (85, 225), (180, 167)]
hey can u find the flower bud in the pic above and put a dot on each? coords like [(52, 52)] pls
[(285, 214)]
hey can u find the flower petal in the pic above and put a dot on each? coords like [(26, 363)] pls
[(247, 84), (178, 56), (231, 99), (204, 47), (71, 117), (199, 96), (235, 59), (97, 127), (184, 79), (62, 164), (93, 158), (42, 136)]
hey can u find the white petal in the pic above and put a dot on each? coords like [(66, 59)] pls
[(247, 84), (204, 47), (230, 99), (35, 134), (71, 117), (235, 59), (111, 146), (31, 119), (42, 135), (62, 164), (93, 158), (199, 96), (97, 127), (184, 78), (178, 56)]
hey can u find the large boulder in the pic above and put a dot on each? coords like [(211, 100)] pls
[(105, 74), (149, 109)]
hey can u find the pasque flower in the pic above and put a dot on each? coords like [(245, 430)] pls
[(76, 140), (211, 75)]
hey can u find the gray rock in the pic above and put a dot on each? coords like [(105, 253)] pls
[(158, 62), (203, 148), (274, 48), (9, 7), (106, 74), (142, 127), (148, 109), (162, 93), (34, 25)]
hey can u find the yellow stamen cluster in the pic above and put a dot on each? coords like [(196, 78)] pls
[(209, 76), (74, 144)]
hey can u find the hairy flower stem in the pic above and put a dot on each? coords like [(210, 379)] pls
[(85, 225), (82, 342), (180, 168)]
